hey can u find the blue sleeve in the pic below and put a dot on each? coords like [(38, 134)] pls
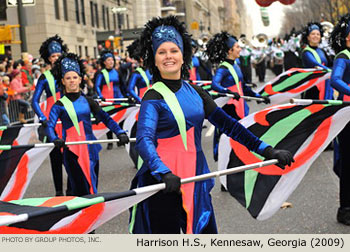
[(109, 122), (131, 87), (232, 128), (98, 85), (39, 88), (146, 138), (53, 117), (338, 72), (309, 61), (217, 79)]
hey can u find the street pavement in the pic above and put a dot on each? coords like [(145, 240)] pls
[(314, 202)]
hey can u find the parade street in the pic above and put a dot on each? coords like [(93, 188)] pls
[(314, 202)]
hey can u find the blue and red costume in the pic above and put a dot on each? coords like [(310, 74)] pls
[(161, 147), (112, 89), (42, 110), (340, 81), (323, 90), (136, 80), (223, 82), (81, 161)]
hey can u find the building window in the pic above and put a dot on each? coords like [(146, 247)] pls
[(80, 51), (57, 9), (86, 51), (95, 52), (92, 14), (3, 8), (108, 25), (114, 22), (127, 21), (65, 10), (77, 11), (83, 20), (96, 16), (103, 17)]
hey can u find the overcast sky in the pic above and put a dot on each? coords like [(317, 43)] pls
[(275, 14)]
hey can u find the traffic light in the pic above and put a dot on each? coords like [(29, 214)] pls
[(117, 42)]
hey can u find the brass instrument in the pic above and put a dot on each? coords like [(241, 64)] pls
[(243, 42), (260, 41), (327, 28)]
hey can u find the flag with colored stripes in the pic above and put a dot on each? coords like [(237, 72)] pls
[(118, 112), (304, 130), (291, 83), (130, 126), (17, 169), (67, 214), (15, 134)]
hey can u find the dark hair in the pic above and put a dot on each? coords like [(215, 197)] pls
[(337, 38), (217, 48), (147, 50), (57, 70), (306, 32), (44, 52), (101, 61)]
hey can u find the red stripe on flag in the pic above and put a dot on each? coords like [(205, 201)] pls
[(20, 179), (79, 225), (56, 201), (319, 138), (260, 117)]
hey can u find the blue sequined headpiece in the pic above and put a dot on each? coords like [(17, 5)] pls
[(230, 42), (54, 47), (313, 27), (68, 64), (106, 56), (166, 33)]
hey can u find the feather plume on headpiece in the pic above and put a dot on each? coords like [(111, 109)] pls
[(149, 40), (340, 32), (52, 45), (134, 50), (219, 45)]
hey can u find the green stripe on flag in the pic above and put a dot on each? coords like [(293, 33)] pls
[(273, 136), (5, 147), (30, 201), (289, 82), (80, 202), (2, 128), (108, 108)]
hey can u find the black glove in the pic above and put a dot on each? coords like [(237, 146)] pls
[(42, 131), (123, 139), (284, 157), (44, 123), (131, 99), (59, 143), (172, 182), (266, 100), (235, 94), (253, 85)]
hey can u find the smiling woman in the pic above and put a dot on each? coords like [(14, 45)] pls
[(169, 136)]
